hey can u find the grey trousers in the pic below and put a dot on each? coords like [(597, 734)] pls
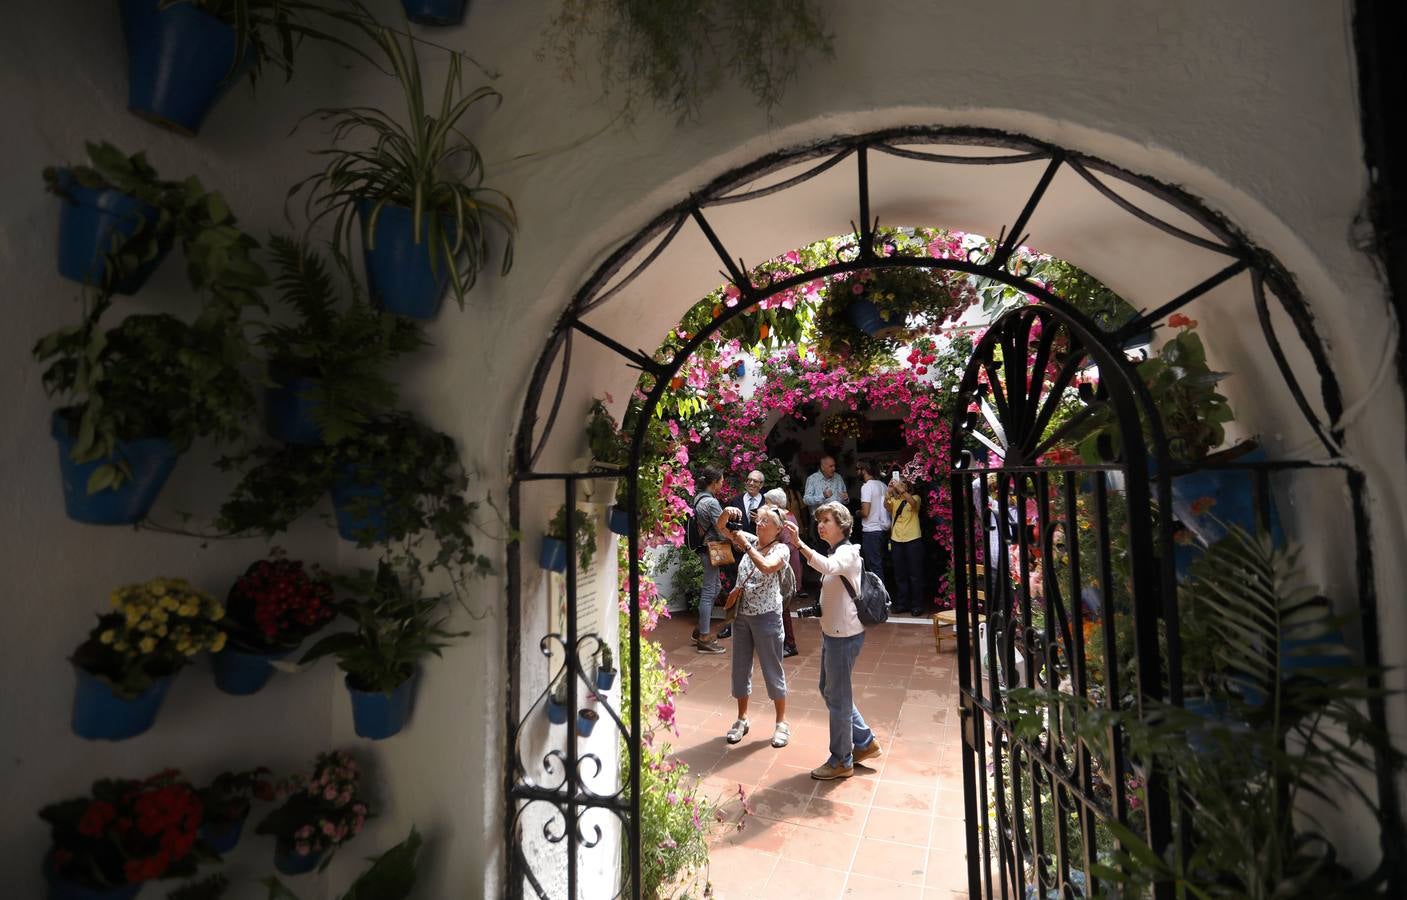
[(762, 633)]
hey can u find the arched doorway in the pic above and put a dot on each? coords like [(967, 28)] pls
[(1232, 278)]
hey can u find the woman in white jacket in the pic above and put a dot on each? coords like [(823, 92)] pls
[(842, 637)]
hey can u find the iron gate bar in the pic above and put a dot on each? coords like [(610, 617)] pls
[(1278, 353), (782, 185), (637, 359), (1134, 326), (1146, 217), (562, 340), (1014, 237), (951, 159), (630, 277), (1259, 262), (735, 272)]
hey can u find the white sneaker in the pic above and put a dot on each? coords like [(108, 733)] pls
[(736, 733)]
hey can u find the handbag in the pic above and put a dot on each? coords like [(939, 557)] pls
[(872, 603), (720, 553)]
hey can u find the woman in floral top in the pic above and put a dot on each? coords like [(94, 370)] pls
[(759, 623)]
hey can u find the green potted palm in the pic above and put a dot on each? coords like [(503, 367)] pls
[(553, 555), (416, 188), (397, 626), (214, 43), (329, 364)]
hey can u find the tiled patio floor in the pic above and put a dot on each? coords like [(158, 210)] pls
[(892, 831)]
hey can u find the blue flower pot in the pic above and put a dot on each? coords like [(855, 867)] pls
[(434, 12), (63, 889), (178, 62), (287, 860), (618, 521), (586, 721), (222, 837), (604, 679), (151, 460), (360, 510), (242, 672), (288, 410), (93, 223), (378, 716), (553, 555), (556, 712), (398, 271), (101, 715), (740, 370), (864, 315), (1233, 494)]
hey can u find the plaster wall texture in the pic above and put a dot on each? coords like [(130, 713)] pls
[(1251, 107)]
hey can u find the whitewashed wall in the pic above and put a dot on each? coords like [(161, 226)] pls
[(1250, 106)]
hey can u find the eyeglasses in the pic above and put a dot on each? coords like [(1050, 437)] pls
[(754, 481)]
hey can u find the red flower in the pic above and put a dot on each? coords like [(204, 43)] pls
[(96, 818), (139, 870), (1202, 504), (1178, 320)]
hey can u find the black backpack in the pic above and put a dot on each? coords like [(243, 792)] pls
[(693, 533), (872, 603)]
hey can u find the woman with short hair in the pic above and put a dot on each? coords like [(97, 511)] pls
[(842, 637), (758, 627)]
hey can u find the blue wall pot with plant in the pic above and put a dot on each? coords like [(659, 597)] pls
[(178, 62), (864, 315), (101, 715), (586, 721), (221, 837), (95, 221), (605, 678), (287, 860), (618, 520), (1232, 496), (435, 12), (379, 715), (553, 555), (398, 271), (151, 461), (242, 672), (288, 410), (61, 888), (360, 510), (556, 712)]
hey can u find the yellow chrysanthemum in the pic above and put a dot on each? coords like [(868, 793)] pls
[(218, 644), (169, 603), (148, 644), (161, 631), (106, 637), (217, 612)]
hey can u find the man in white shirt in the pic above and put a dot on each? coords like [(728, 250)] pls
[(874, 519), (749, 503)]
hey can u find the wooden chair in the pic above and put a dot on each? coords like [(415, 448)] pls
[(945, 622)]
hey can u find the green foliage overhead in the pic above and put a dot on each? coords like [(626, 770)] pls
[(396, 626), (674, 53), (423, 161), (338, 339)]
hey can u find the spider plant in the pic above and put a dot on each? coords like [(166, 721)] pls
[(424, 162)]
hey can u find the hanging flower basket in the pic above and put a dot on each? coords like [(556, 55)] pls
[(179, 62), (434, 12), (377, 715), (586, 721), (618, 520), (150, 460), (398, 270)]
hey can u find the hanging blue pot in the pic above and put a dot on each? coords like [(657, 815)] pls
[(178, 62), (740, 370), (864, 315), (242, 672), (434, 12), (151, 461), (398, 271), (1232, 496), (605, 678), (553, 555), (221, 837), (378, 716), (586, 721), (288, 410), (556, 712), (100, 714), (360, 510), (61, 888), (289, 862), (93, 223), (618, 520)]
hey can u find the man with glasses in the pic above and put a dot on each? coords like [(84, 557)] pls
[(749, 503)]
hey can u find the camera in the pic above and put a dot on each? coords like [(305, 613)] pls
[(809, 612)]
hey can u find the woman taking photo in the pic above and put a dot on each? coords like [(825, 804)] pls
[(842, 637), (777, 498), (758, 627)]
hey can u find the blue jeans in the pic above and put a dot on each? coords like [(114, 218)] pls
[(848, 728), (908, 574), (872, 549), (708, 594)]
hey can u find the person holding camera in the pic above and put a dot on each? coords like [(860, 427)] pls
[(906, 546), (842, 637), (777, 499)]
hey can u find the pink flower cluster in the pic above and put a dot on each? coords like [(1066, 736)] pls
[(336, 814)]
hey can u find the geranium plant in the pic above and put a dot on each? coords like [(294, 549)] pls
[(126, 832), (277, 603), (155, 628), (229, 797), (397, 625), (321, 811)]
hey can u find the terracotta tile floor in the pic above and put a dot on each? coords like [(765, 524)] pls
[(894, 830)]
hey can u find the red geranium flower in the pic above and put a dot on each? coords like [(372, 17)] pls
[(1178, 320), (96, 818)]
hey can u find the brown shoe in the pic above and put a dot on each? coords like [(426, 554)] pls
[(829, 772), (869, 751)]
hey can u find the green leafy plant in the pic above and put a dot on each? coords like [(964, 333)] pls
[(229, 797), (909, 300), (341, 342), (675, 52), (390, 877), (397, 625), (610, 447), (417, 469), (585, 534), (424, 162)]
